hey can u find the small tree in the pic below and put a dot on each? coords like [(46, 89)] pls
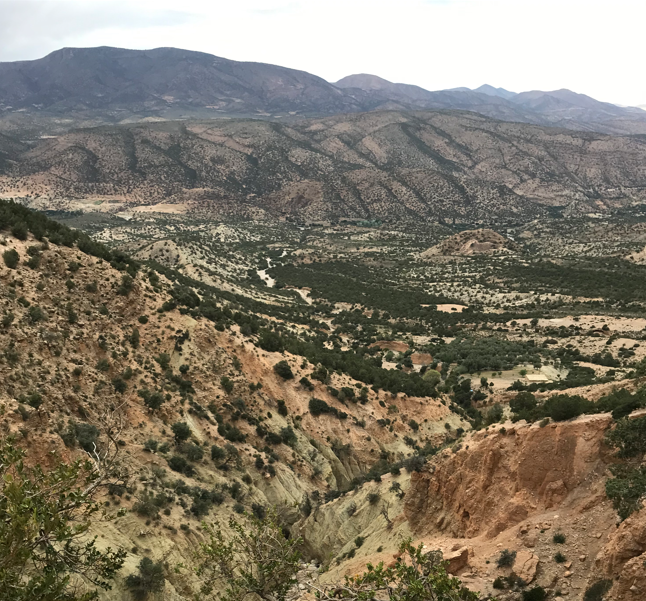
[(227, 384), (181, 431), (11, 258), (256, 559), (506, 559), (149, 580), (164, 360), (283, 369)]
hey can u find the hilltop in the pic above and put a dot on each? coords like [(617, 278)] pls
[(470, 242), (83, 87)]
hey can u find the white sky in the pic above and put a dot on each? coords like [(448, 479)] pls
[(590, 46)]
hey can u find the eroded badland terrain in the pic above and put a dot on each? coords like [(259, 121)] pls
[(401, 324), (454, 388)]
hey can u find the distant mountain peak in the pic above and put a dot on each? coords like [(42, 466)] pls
[(88, 86), (491, 91), (364, 81)]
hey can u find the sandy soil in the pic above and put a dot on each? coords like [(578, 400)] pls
[(451, 308)]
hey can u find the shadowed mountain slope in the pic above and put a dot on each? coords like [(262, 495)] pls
[(84, 87)]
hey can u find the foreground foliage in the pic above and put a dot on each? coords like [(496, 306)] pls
[(416, 576), (254, 557), (44, 521)]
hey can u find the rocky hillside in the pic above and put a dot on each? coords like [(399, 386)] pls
[(139, 81), (389, 165), (212, 418), (89, 343)]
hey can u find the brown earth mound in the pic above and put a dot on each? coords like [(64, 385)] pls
[(421, 359), (391, 345), (471, 242)]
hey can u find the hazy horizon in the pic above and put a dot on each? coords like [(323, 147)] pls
[(591, 48)]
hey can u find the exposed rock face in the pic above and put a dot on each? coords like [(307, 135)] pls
[(505, 476), (623, 559)]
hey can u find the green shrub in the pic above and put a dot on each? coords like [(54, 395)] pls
[(259, 511), (20, 230), (283, 369), (506, 558), (11, 258), (178, 464), (627, 489), (36, 314), (597, 591), (7, 320), (217, 453), (288, 436), (86, 435), (103, 365), (231, 432), (226, 384), (119, 385), (151, 445), (628, 437), (562, 407), (152, 400), (126, 286), (536, 594), (34, 262), (317, 407), (164, 360), (282, 408), (560, 558), (558, 538), (305, 383), (192, 451), (150, 579), (181, 431)]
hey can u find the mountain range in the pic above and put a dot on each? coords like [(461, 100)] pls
[(389, 165), (82, 87)]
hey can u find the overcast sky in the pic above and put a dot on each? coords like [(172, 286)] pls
[(590, 46)]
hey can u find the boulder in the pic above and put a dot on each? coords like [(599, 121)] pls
[(526, 565), (457, 560)]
